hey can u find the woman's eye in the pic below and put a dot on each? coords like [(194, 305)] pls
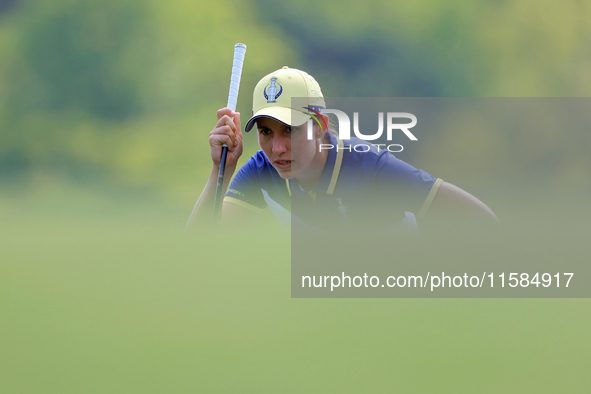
[(265, 131), (291, 129)]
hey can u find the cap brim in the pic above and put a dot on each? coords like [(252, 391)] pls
[(288, 116)]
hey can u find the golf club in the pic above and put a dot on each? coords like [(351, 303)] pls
[(239, 52)]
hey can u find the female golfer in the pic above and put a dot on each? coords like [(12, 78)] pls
[(307, 176)]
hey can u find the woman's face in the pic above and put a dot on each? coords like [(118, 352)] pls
[(288, 149)]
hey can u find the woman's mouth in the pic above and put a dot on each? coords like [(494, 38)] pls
[(283, 164)]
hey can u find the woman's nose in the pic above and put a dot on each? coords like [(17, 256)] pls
[(279, 144)]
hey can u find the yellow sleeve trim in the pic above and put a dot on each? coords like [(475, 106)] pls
[(337, 167), (242, 204), (430, 197)]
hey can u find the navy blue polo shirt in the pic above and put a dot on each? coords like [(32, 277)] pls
[(359, 186)]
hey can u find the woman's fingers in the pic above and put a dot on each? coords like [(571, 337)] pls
[(226, 131), (226, 125), (238, 128), (226, 112), (227, 117), (237, 121), (217, 140)]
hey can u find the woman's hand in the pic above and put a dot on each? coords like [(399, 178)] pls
[(226, 131)]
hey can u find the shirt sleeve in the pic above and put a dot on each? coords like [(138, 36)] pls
[(245, 189), (404, 186)]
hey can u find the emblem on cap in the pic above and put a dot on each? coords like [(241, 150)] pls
[(272, 93)]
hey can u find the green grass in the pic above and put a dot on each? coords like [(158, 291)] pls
[(103, 293)]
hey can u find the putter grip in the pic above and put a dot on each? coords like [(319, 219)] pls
[(239, 52)]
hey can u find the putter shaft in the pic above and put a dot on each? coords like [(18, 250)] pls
[(217, 208)]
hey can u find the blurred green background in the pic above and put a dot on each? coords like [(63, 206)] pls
[(105, 107)]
